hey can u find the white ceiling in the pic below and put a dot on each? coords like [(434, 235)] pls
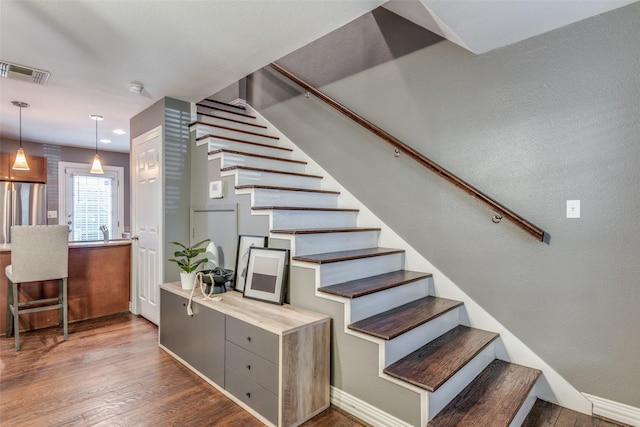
[(191, 49), (484, 25)]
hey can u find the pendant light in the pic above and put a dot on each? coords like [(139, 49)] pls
[(97, 166), (21, 161)]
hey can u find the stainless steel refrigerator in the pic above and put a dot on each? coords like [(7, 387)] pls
[(21, 203)]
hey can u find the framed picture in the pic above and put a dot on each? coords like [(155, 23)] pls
[(267, 274), (245, 242)]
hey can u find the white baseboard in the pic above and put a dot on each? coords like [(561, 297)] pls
[(615, 411), (361, 409)]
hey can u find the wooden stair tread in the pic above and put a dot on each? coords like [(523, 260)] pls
[(493, 398), (271, 187), (250, 168), (547, 414), (433, 364), (262, 156), (200, 104), (226, 138), (232, 120), (248, 132), (368, 285), (302, 208), (326, 230), (329, 257), (398, 320), (226, 104)]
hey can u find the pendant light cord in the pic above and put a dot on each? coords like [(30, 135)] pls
[(20, 126)]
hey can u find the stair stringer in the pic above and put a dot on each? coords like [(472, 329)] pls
[(551, 386)]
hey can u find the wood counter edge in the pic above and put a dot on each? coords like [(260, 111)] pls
[(279, 319), (6, 247)]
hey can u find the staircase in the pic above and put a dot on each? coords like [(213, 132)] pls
[(423, 345)]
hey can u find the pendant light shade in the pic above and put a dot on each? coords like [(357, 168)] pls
[(21, 161), (97, 165)]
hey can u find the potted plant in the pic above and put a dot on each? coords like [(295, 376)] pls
[(186, 260)]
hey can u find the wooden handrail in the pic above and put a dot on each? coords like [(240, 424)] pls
[(502, 211)]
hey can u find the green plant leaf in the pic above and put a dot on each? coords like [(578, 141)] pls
[(185, 257)]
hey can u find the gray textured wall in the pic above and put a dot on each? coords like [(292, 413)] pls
[(174, 116), (58, 153), (551, 118)]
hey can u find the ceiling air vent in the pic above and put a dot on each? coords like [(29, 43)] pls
[(26, 74)]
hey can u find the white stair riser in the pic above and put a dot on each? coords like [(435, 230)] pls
[(291, 220), (230, 124), (268, 197), (412, 340), (268, 150), (378, 302), (250, 177), (306, 244), (203, 130), (228, 115), (524, 410), (232, 159), (454, 385), (344, 271)]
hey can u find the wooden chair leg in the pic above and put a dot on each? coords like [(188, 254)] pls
[(65, 315), (16, 315), (60, 301), (9, 308)]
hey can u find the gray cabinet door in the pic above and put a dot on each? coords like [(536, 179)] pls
[(197, 339), (174, 323)]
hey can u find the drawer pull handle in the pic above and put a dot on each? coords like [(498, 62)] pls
[(249, 339), (248, 395), (249, 367)]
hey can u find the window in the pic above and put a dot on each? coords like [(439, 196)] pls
[(88, 201)]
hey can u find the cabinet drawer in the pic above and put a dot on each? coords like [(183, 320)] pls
[(252, 338), (252, 366), (252, 394)]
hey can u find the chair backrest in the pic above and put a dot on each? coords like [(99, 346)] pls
[(39, 252)]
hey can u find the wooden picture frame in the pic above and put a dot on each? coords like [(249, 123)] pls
[(245, 241), (267, 274)]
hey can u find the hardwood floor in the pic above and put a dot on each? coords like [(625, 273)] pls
[(545, 414), (111, 372)]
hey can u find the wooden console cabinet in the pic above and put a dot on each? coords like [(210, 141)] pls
[(272, 360)]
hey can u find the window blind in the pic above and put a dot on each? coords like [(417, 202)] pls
[(93, 205)]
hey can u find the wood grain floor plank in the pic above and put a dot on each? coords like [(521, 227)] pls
[(111, 372), (546, 414)]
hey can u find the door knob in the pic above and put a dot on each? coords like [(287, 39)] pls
[(134, 238)]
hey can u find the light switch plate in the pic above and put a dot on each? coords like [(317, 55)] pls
[(573, 208), (216, 190)]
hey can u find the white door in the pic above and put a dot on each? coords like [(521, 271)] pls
[(146, 195)]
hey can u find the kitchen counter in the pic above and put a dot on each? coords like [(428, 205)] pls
[(6, 247), (99, 284)]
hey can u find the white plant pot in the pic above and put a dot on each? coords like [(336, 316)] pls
[(187, 279)]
